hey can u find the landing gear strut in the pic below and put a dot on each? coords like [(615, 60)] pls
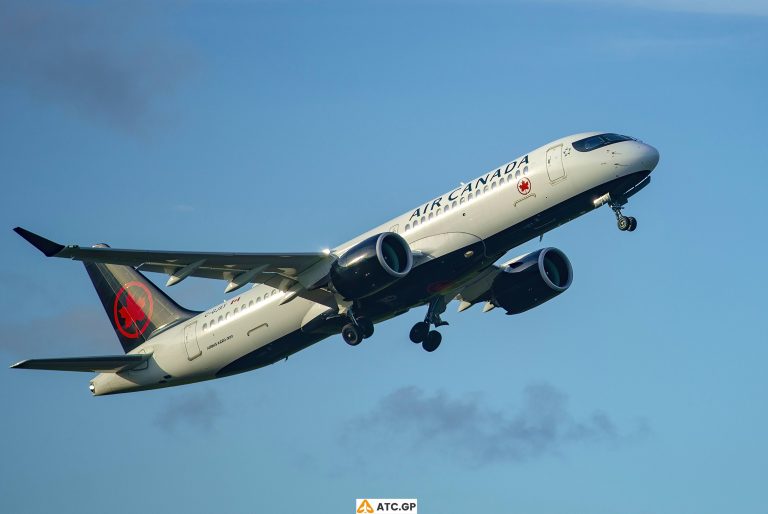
[(625, 223), (357, 330), (420, 333)]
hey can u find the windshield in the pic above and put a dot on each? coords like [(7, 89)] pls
[(594, 142)]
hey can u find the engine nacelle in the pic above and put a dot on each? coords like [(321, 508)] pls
[(531, 280), (371, 265)]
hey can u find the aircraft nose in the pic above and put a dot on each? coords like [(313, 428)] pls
[(650, 157), (635, 156)]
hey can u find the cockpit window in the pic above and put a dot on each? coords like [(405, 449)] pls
[(594, 142)]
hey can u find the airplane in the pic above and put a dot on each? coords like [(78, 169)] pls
[(444, 249)]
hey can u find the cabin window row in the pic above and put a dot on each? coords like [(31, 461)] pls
[(238, 309), (472, 194)]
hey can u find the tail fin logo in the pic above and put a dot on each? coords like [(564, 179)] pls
[(132, 312)]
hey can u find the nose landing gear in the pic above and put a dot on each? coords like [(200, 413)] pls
[(625, 223), (421, 334)]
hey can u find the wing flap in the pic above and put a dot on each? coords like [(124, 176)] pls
[(102, 364)]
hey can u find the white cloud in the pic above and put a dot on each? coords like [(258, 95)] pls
[(741, 7)]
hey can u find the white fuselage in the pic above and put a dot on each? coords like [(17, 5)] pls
[(473, 212)]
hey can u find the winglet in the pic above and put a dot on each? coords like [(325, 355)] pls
[(48, 247)]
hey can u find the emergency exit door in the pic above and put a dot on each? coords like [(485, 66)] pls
[(190, 341)]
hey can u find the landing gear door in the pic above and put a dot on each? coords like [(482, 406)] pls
[(555, 168), (190, 341)]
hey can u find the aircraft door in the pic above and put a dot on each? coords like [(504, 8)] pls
[(555, 168), (190, 341)]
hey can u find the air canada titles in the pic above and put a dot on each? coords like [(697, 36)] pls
[(461, 191)]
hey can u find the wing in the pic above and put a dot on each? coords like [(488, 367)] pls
[(479, 289), (283, 270), (108, 363)]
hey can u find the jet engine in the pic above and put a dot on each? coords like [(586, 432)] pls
[(531, 280), (371, 265)]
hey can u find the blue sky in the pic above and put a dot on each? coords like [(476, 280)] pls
[(294, 126)]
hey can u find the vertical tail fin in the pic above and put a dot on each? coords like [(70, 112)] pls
[(136, 308)]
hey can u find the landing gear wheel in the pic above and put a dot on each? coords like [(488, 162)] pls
[(632, 224), (366, 327), (623, 223), (432, 341), (351, 334), (419, 332)]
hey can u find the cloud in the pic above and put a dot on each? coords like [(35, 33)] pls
[(738, 7), (97, 59), (466, 429), (198, 410), (53, 336), (183, 208), (651, 45)]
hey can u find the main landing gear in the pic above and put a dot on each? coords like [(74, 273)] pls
[(625, 223), (421, 333), (356, 330)]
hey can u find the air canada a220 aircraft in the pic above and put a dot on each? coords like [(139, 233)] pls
[(442, 250)]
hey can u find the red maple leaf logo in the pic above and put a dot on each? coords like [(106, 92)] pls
[(132, 311), (524, 186)]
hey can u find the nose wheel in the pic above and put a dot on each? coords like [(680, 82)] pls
[(421, 333), (625, 223)]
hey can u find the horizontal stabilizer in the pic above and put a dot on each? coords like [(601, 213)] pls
[(104, 364)]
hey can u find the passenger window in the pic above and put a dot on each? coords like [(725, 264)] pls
[(423, 219), (226, 316), (250, 304), (493, 185), (407, 227), (237, 310), (454, 204), (485, 189), (517, 174), (431, 215), (415, 223), (463, 199), (525, 170), (221, 318), (205, 327)]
